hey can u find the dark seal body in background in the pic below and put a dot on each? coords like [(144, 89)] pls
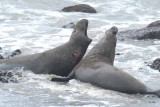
[(97, 68), (60, 60)]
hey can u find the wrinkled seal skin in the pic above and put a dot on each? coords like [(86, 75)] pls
[(152, 31), (97, 68), (60, 60)]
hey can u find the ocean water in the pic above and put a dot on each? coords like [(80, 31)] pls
[(36, 25)]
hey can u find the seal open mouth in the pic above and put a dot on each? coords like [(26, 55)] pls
[(82, 27), (86, 28)]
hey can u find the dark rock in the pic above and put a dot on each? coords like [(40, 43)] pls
[(0, 48), (9, 76), (152, 31), (14, 53), (18, 51), (1, 57), (156, 64), (10, 55), (117, 54), (154, 24), (80, 8), (70, 25)]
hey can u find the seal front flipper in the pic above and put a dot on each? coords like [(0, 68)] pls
[(63, 79)]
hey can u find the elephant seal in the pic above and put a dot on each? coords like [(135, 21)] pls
[(60, 60), (97, 68)]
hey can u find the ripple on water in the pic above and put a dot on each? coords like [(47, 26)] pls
[(35, 26)]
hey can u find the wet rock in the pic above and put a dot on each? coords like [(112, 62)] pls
[(117, 54), (154, 24), (10, 76), (1, 57), (156, 64), (14, 53), (69, 25), (152, 31), (80, 8), (9, 55)]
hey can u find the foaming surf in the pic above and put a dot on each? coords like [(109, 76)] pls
[(36, 25)]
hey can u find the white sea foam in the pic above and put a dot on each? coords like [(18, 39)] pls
[(36, 26)]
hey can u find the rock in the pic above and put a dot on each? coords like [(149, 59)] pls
[(0, 48), (80, 8), (14, 53), (1, 57), (69, 25), (152, 31), (156, 64), (154, 24), (10, 76), (117, 54), (9, 55)]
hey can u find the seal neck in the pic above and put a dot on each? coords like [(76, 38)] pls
[(105, 49), (84, 42)]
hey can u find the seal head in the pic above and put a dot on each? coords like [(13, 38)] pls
[(79, 33)]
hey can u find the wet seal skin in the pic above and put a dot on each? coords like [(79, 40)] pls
[(97, 68), (60, 60)]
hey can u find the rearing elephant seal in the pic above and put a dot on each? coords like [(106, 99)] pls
[(97, 68), (60, 60)]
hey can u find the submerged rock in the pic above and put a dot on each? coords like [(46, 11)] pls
[(80, 8), (152, 31), (69, 25), (10, 76), (10, 55), (156, 64)]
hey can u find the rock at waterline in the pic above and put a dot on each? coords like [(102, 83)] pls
[(69, 25), (10, 76), (156, 64), (152, 31), (154, 24), (12, 54), (16, 52), (118, 54), (1, 57), (79, 8)]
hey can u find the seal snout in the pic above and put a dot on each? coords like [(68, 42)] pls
[(85, 23), (114, 30)]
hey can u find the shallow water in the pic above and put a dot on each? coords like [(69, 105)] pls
[(35, 26)]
